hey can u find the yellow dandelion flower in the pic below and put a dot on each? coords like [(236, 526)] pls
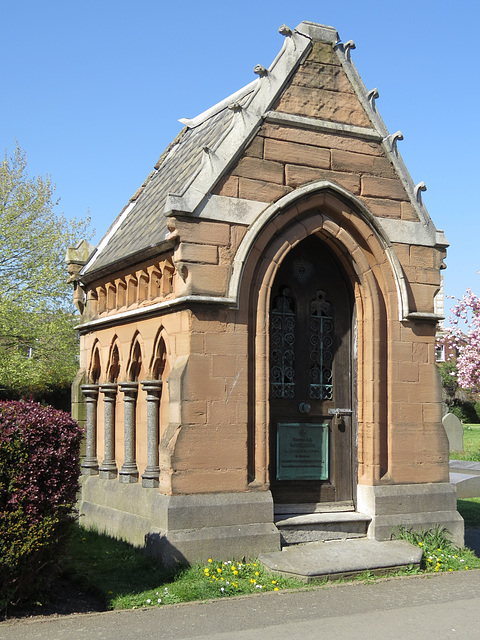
[(219, 570), (257, 573), (276, 589), (210, 560)]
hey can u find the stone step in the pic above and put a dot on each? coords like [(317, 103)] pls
[(310, 527), (338, 558)]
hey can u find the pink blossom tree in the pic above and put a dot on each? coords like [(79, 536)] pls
[(464, 336)]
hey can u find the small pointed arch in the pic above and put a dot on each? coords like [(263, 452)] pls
[(159, 357), (134, 367), (113, 367), (95, 368)]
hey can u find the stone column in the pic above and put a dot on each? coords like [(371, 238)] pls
[(89, 466), (129, 472), (108, 468), (150, 478)]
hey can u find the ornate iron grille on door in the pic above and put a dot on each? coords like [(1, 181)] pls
[(321, 352), (282, 337)]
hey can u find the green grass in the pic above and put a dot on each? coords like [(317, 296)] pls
[(439, 554), (123, 577), (471, 444), (469, 509)]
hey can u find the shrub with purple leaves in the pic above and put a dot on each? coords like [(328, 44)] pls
[(39, 470)]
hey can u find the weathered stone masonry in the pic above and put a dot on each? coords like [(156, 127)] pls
[(175, 379)]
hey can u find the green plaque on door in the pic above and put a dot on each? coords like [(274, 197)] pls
[(302, 451)]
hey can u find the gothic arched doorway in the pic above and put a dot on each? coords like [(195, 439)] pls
[(311, 368)]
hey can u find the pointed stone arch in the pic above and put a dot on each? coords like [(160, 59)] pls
[(95, 368), (159, 355), (380, 294), (135, 367), (114, 361)]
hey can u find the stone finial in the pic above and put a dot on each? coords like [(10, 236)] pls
[(285, 31), (77, 257), (392, 139), (418, 191), (348, 46), (260, 70), (372, 95)]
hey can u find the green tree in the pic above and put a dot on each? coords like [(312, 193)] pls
[(38, 344)]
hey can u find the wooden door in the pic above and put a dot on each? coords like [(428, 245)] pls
[(311, 447)]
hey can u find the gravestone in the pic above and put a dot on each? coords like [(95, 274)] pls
[(454, 430)]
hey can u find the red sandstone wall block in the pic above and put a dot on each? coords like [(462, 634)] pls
[(408, 212), (383, 188), (423, 295), (210, 447), (255, 168), (203, 231), (403, 253), (320, 103), (323, 76), (324, 54), (194, 412), (210, 481), (225, 343), (432, 412), (255, 148), (296, 176), (224, 366), (423, 256), (420, 353), (401, 352), (406, 372), (384, 208), (221, 413), (320, 139), (361, 163), (260, 190), (189, 252), (207, 278), (292, 153), (227, 186)]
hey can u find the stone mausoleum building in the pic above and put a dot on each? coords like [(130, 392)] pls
[(258, 327)]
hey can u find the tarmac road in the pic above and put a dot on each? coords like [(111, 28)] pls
[(439, 606)]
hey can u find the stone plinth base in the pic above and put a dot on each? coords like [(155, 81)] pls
[(181, 529), (413, 506)]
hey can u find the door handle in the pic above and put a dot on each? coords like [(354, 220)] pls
[(304, 407)]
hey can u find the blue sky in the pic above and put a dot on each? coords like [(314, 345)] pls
[(93, 91)]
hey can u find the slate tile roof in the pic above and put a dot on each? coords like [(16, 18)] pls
[(145, 226)]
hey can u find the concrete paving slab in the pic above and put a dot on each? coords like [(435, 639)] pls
[(335, 558)]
